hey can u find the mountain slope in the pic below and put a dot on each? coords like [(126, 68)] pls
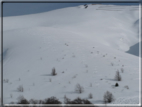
[(82, 43)]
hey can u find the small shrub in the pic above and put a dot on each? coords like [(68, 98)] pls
[(20, 88), (79, 88), (112, 64), (108, 97), (116, 85), (103, 55), (53, 73), (90, 96), (52, 100), (118, 76)]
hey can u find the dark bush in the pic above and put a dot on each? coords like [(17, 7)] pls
[(116, 85), (23, 101), (52, 100)]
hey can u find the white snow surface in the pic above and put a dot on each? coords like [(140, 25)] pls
[(72, 40)]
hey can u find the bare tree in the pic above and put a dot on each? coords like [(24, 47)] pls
[(53, 73), (79, 88), (118, 76), (108, 97)]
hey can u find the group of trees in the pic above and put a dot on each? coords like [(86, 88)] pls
[(108, 96)]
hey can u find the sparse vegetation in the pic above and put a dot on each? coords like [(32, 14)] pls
[(108, 97), (79, 88), (53, 100)]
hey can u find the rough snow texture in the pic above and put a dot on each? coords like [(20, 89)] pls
[(81, 42)]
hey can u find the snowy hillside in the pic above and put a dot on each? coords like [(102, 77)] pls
[(85, 46)]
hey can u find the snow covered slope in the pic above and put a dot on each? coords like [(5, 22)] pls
[(86, 46)]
